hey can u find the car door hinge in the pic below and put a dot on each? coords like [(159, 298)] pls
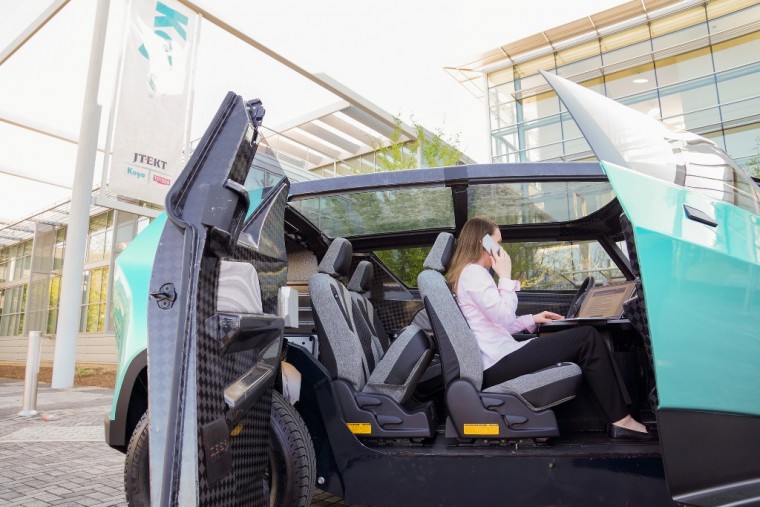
[(165, 296)]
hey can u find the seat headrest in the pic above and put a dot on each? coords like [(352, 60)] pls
[(337, 260), (440, 255), (361, 280)]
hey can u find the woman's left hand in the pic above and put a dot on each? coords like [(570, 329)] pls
[(544, 317)]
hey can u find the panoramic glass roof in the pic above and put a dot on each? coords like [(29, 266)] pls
[(432, 207), (380, 211), (537, 202)]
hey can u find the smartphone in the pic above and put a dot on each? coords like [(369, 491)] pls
[(490, 245)]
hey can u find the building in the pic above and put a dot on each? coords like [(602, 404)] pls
[(34, 291), (338, 140), (694, 64)]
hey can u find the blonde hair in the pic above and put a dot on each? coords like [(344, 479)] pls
[(469, 247)]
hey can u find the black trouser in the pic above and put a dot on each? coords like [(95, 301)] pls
[(581, 345)]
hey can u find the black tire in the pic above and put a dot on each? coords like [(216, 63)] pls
[(136, 475), (292, 465)]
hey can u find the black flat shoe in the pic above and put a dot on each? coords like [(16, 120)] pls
[(620, 433)]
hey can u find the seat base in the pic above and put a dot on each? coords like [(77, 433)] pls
[(370, 415), (474, 414)]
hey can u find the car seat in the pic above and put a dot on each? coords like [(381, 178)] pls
[(374, 400), (517, 408), (374, 338), (372, 334)]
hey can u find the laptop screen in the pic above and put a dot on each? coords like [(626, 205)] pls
[(606, 301)]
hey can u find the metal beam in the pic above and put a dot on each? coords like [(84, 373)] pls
[(312, 144), (322, 80), (331, 137), (365, 119), (39, 128), (311, 116), (347, 128), (32, 29), (16, 174)]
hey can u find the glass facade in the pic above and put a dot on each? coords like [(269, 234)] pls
[(370, 162), (108, 235), (695, 68)]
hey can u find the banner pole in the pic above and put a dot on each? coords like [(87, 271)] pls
[(79, 214), (114, 99)]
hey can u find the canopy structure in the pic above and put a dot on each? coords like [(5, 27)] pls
[(347, 125)]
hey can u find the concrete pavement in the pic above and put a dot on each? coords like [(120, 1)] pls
[(59, 457)]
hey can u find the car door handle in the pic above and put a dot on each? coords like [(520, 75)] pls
[(699, 216)]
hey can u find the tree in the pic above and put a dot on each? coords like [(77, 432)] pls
[(431, 150), (752, 166)]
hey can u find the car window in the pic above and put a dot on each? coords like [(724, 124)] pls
[(555, 265), (404, 263), (381, 211), (265, 173), (537, 202)]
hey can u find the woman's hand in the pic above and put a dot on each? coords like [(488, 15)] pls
[(502, 264), (544, 317)]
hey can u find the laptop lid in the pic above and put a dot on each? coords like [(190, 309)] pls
[(606, 301)]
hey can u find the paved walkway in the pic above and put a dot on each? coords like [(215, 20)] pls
[(59, 457)]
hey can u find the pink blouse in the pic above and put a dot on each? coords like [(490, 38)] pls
[(490, 312)]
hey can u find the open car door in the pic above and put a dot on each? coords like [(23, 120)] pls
[(213, 337), (694, 229)]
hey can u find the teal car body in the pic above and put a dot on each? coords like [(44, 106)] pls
[(702, 285), (131, 296), (695, 223)]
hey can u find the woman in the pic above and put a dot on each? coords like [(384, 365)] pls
[(490, 312)]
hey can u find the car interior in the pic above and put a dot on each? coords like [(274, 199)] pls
[(405, 367)]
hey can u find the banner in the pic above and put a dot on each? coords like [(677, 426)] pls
[(152, 103)]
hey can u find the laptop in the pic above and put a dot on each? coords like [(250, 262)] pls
[(605, 301)]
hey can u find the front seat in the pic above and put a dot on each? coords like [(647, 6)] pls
[(517, 408), (375, 401)]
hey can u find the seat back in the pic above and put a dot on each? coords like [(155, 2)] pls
[(370, 329), (339, 345), (457, 346)]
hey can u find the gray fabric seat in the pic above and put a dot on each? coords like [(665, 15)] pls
[(395, 372), (369, 327), (460, 354), (375, 340)]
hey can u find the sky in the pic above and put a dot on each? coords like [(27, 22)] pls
[(393, 53)]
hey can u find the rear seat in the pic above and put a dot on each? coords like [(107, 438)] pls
[(369, 327), (371, 396)]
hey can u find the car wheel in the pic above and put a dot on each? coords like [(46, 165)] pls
[(136, 476), (291, 465)]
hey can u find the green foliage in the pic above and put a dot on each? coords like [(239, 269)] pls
[(527, 264), (435, 151), (432, 150), (398, 154), (752, 166), (405, 263), (429, 149)]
